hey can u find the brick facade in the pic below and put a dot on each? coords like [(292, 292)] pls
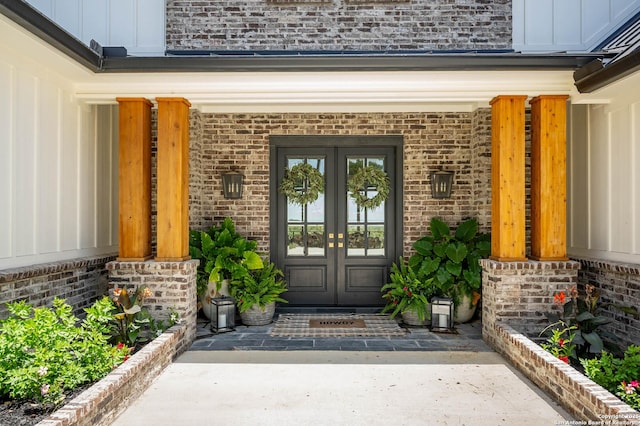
[(618, 283), (79, 281), (339, 25), (173, 288), (460, 142)]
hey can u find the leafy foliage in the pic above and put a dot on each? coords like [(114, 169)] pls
[(407, 292), (43, 351), (221, 250), (618, 375), (582, 312), (259, 286), (609, 371), (452, 260), (128, 321), (560, 344)]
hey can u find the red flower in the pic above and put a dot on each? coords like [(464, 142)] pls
[(564, 359), (559, 298), (120, 345), (126, 357), (409, 294), (561, 343), (405, 288)]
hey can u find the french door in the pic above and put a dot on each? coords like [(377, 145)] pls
[(332, 251)]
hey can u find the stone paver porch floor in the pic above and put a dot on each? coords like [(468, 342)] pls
[(468, 338)]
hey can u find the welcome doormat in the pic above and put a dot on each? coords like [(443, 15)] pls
[(336, 325)]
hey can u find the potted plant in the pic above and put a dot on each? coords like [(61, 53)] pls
[(408, 295), (256, 293), (220, 250), (452, 261)]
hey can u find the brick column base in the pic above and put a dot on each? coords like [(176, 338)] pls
[(519, 293), (173, 285)]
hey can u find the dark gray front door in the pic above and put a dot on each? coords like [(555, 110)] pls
[(333, 252)]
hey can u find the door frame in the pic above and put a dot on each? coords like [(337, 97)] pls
[(395, 142)]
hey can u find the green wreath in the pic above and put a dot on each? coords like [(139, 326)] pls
[(296, 177), (364, 178)]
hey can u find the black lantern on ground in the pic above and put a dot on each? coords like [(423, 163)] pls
[(222, 314), (232, 185), (442, 314), (441, 184)]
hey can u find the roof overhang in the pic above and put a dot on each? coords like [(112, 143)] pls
[(291, 81)]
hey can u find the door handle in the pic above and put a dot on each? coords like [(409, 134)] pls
[(331, 240)]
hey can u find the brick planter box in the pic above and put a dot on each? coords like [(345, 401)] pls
[(579, 395), (106, 399)]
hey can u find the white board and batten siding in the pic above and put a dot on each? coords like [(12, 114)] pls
[(604, 180), (58, 170), (567, 25), (138, 25)]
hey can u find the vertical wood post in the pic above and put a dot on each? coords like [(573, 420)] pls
[(173, 180), (549, 178), (508, 178), (134, 179)]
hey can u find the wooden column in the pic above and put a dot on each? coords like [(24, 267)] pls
[(173, 180), (508, 178), (134, 177), (549, 178)]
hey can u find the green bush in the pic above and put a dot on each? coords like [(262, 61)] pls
[(609, 371), (45, 351)]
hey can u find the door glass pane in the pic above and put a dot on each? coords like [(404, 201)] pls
[(366, 226), (305, 223)]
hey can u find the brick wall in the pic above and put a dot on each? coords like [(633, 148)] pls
[(173, 288), (431, 141), (584, 399), (618, 283), (79, 281), (338, 24), (519, 293)]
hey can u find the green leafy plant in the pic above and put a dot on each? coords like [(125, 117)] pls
[(560, 344), (132, 324), (221, 250), (257, 287), (451, 260), (45, 351), (582, 312), (407, 292), (610, 371)]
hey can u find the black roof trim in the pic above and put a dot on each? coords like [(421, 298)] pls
[(595, 76), (346, 61), (29, 18)]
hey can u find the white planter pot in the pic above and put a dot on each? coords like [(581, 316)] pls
[(256, 315), (411, 318), (211, 293), (464, 312)]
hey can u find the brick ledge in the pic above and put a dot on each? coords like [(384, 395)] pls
[(109, 397), (579, 395), (25, 272)]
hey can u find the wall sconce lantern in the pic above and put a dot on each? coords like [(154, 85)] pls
[(442, 314), (222, 314), (232, 185), (441, 184)]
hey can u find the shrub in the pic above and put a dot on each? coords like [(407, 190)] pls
[(45, 351), (611, 372)]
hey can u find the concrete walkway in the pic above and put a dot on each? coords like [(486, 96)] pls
[(446, 386)]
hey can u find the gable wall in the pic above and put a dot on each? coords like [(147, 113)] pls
[(338, 24)]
